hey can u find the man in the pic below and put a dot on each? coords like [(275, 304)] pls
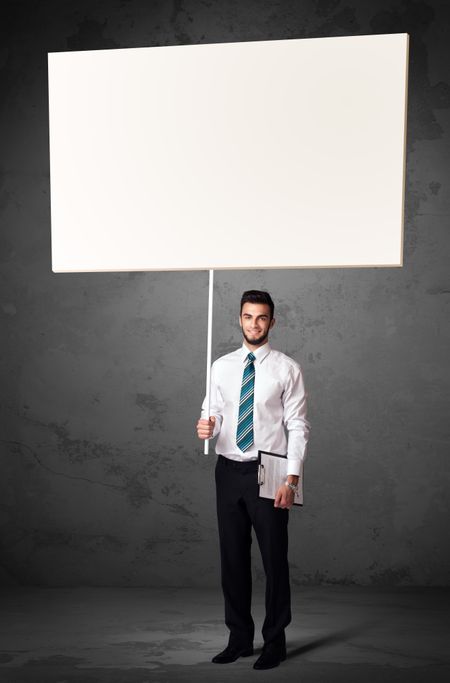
[(256, 394)]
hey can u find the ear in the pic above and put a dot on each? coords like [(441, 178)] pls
[(240, 321), (272, 323)]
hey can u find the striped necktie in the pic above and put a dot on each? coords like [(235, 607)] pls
[(244, 433)]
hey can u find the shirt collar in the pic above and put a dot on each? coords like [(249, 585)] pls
[(260, 353)]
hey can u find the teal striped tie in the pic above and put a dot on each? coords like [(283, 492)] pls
[(244, 433)]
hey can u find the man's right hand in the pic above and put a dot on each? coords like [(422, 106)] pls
[(205, 428)]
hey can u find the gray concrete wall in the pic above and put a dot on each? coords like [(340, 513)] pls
[(102, 478)]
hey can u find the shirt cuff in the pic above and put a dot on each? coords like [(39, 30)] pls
[(217, 426), (294, 467)]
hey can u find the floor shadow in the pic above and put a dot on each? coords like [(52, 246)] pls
[(331, 638)]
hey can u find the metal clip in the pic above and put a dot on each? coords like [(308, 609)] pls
[(260, 474)]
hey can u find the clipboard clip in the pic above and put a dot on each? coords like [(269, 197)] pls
[(260, 474)]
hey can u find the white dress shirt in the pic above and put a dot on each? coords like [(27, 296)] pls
[(279, 406)]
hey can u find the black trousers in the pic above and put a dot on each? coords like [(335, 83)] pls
[(238, 509)]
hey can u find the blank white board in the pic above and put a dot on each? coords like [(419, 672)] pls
[(271, 154)]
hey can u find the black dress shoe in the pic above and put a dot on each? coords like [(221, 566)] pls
[(231, 653), (270, 657)]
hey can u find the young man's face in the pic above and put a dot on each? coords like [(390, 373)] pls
[(256, 323)]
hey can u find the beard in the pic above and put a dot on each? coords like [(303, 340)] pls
[(257, 341)]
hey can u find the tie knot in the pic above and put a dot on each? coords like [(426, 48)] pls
[(251, 357)]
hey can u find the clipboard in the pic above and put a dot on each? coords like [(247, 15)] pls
[(272, 472)]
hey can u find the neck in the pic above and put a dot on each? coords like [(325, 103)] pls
[(253, 347)]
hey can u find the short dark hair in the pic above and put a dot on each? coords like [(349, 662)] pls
[(255, 296)]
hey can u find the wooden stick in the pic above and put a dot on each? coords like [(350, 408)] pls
[(208, 352)]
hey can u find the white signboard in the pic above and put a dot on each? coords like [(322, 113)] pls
[(271, 154)]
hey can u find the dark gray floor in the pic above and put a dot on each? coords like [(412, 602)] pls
[(132, 635)]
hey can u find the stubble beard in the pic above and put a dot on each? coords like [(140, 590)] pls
[(258, 341)]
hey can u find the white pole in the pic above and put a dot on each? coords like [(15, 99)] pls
[(208, 352)]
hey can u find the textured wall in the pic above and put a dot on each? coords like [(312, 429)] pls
[(103, 480)]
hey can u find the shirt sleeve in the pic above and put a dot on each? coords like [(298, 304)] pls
[(294, 418), (216, 403)]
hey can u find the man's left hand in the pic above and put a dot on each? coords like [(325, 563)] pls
[(284, 497)]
